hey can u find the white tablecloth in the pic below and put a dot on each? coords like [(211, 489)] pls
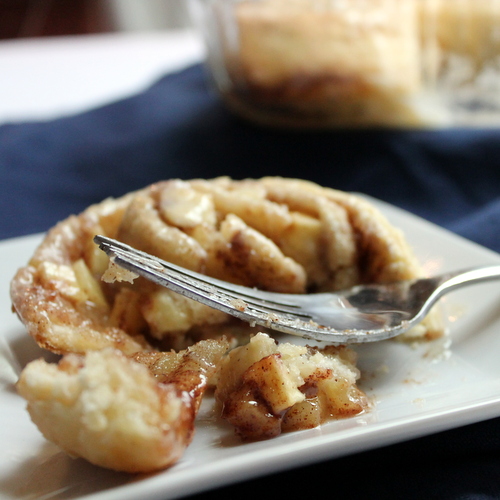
[(50, 77)]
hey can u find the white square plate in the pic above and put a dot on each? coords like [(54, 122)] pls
[(418, 391)]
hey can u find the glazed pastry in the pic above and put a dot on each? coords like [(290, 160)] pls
[(116, 337)]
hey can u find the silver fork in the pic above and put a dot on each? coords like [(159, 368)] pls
[(365, 313)]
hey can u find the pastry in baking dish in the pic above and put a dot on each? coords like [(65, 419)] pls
[(136, 355), (311, 63), (358, 63)]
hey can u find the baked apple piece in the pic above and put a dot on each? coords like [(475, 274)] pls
[(266, 388)]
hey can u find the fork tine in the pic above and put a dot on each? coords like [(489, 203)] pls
[(187, 282), (281, 312)]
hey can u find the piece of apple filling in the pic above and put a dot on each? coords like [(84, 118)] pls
[(266, 387)]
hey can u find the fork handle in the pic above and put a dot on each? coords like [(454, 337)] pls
[(453, 280)]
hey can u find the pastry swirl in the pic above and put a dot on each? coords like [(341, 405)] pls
[(277, 234)]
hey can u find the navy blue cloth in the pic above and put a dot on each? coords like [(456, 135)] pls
[(179, 128)]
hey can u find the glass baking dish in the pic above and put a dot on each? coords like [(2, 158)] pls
[(355, 63)]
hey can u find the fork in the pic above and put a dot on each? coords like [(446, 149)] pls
[(364, 313)]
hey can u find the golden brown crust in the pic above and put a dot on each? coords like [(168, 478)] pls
[(58, 326), (46, 295)]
